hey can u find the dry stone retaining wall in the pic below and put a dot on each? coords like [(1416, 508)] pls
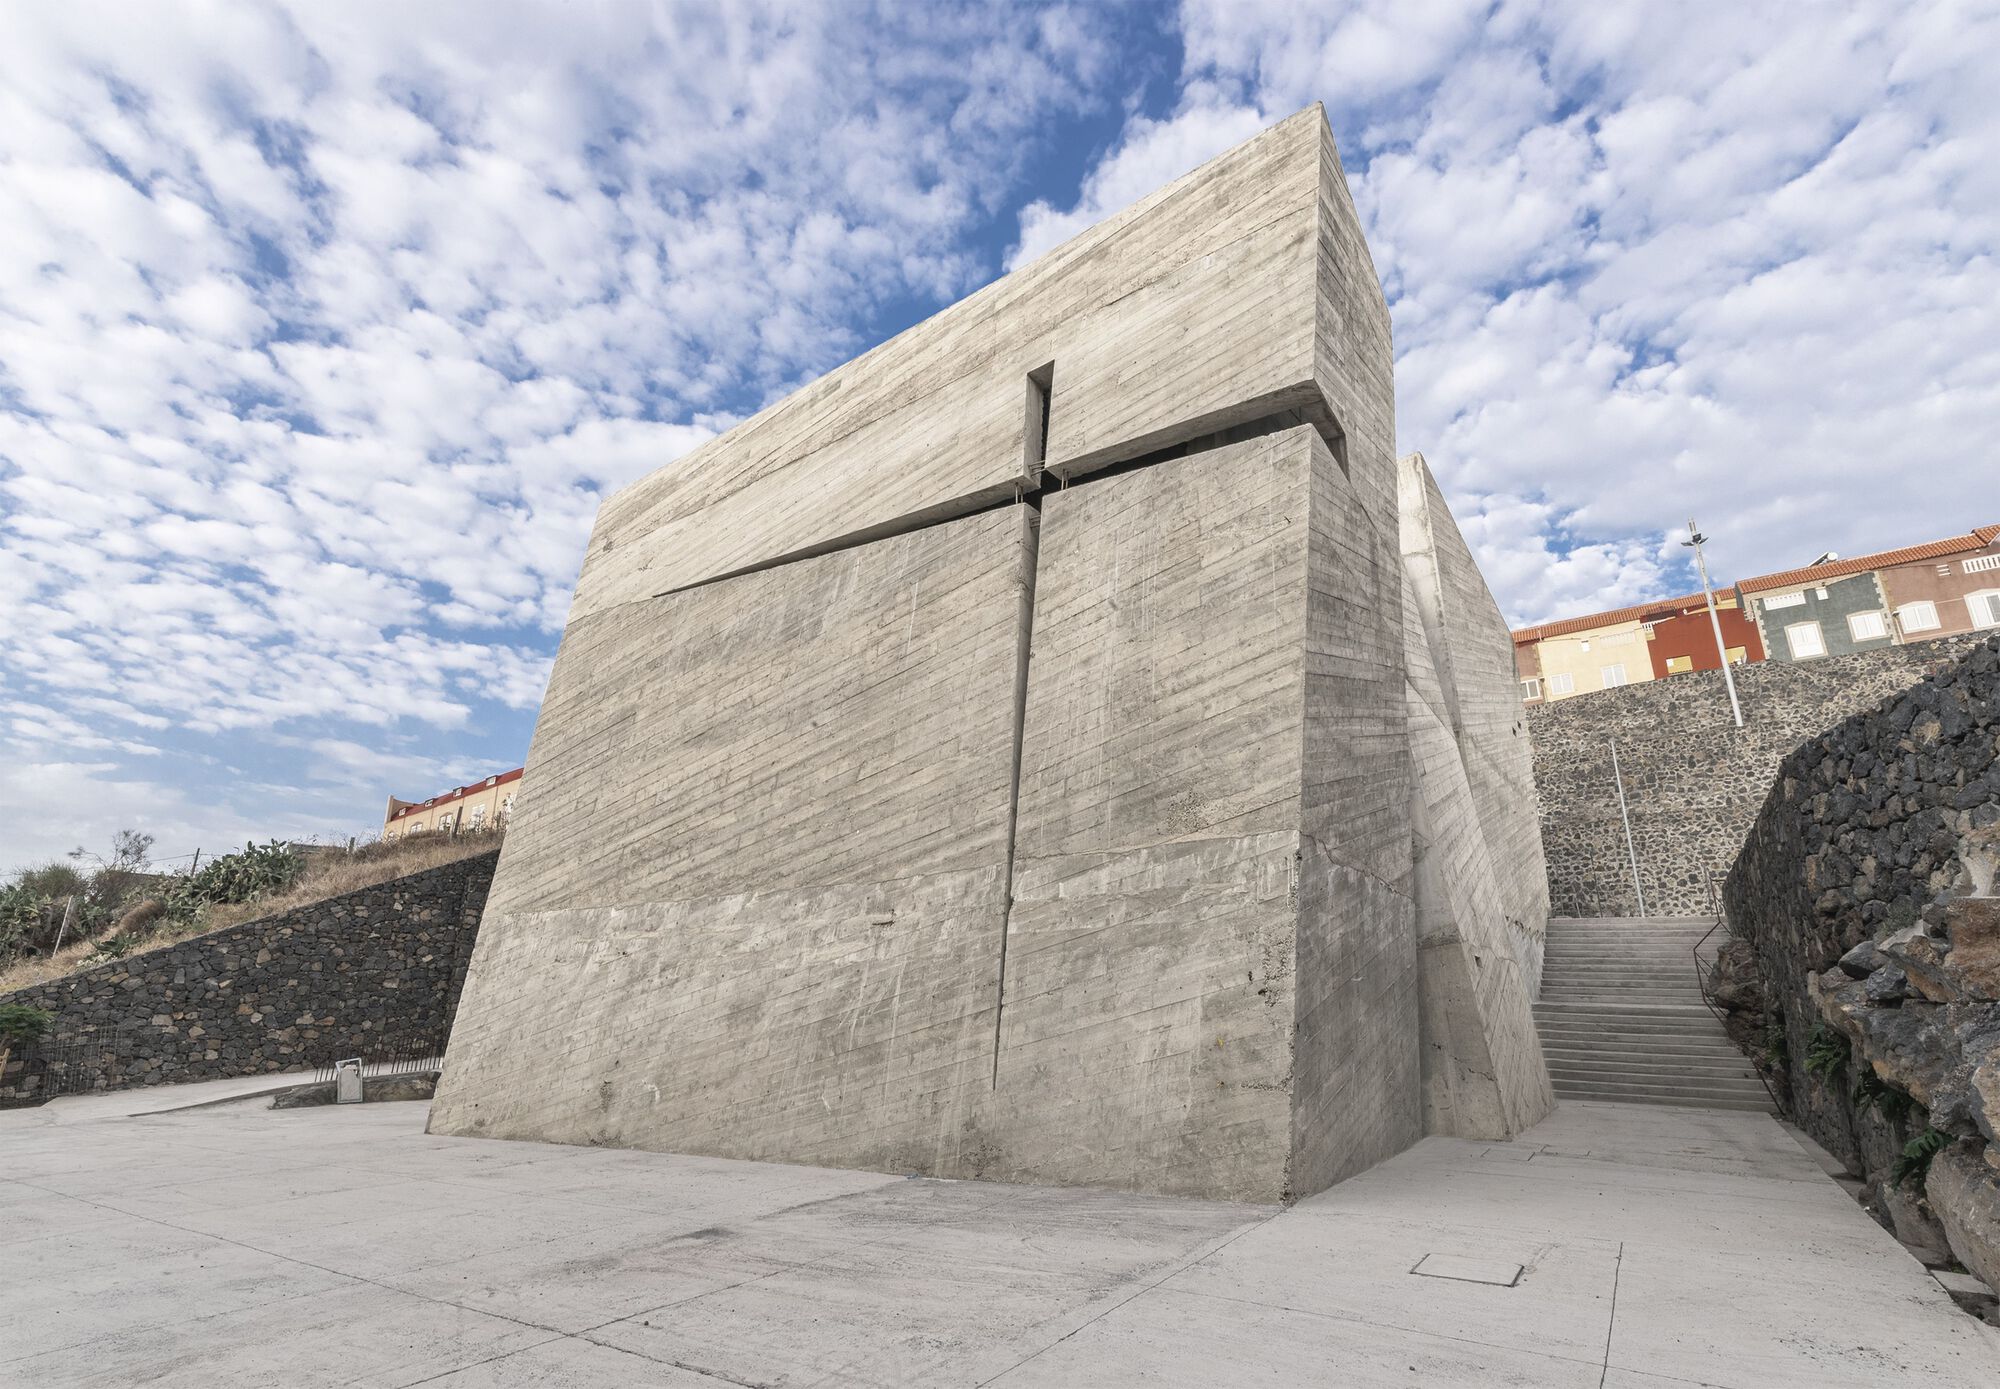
[(1876, 951), (375, 972), (1693, 781)]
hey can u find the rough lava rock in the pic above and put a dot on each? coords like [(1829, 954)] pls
[(1922, 958), (1964, 1193), (1972, 967), (1887, 985), (1862, 961)]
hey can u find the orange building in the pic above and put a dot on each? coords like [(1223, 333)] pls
[(482, 805)]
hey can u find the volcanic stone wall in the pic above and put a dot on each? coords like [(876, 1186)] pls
[(375, 972), (1855, 860), (1694, 781)]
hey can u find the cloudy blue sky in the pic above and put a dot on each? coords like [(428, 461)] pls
[(323, 328)]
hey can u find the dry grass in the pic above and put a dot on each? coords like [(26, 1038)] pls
[(335, 872), (327, 874)]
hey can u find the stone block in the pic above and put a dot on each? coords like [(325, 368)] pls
[(1965, 1194)]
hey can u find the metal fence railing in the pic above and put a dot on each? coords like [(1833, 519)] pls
[(81, 1062), (397, 1064)]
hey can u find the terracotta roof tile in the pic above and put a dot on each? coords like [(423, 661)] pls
[(457, 793), (1861, 564), (1977, 539), (1570, 626)]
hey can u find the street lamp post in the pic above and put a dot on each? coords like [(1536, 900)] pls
[(1693, 542)]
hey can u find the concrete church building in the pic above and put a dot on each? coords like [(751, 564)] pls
[(1061, 745)]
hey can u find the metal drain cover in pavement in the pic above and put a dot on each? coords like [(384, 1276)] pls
[(1498, 1272)]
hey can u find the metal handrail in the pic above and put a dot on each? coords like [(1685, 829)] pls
[(1701, 988)]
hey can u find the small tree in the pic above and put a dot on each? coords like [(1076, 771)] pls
[(20, 1023)]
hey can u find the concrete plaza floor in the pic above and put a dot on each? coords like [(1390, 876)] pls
[(238, 1245)]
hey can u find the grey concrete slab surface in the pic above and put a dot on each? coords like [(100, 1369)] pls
[(238, 1245)]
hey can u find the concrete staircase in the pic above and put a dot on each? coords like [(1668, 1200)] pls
[(1622, 1019)]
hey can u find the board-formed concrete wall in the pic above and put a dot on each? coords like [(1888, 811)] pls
[(1481, 887), (996, 759)]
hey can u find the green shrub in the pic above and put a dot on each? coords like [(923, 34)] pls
[(21, 1023), (1777, 1046), (1872, 1092), (1915, 1163), (1826, 1052), (256, 871), (110, 948)]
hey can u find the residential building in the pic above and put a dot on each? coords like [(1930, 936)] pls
[(481, 805), (1916, 593), (1584, 654), (1683, 639), (1944, 595), (1528, 669), (1803, 614), (1941, 588)]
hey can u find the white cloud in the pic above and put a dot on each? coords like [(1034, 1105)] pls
[(1152, 153), (323, 329), (1640, 268)]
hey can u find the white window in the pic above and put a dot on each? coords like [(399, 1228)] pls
[(1985, 607), (1805, 640), (1562, 682), (1785, 600), (478, 816), (1981, 564), (1866, 626), (1918, 617), (445, 822), (1613, 675), (1531, 688), (417, 828)]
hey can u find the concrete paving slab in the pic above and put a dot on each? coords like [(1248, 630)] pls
[(572, 1363), (1658, 1248), (1493, 1272)]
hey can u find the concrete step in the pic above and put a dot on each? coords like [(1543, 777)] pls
[(1682, 965), (1692, 1097), (1630, 1022), (1556, 990), (1639, 1060), (1620, 995), (1667, 1085), (1679, 1044), (1600, 1096), (1559, 1011), (1562, 1049), (1622, 1073)]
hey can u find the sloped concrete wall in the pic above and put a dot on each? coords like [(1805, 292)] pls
[(1146, 1038), (1191, 311), (1477, 860), (758, 895), (995, 760)]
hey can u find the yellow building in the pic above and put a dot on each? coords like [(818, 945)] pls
[(482, 805), (1595, 653)]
